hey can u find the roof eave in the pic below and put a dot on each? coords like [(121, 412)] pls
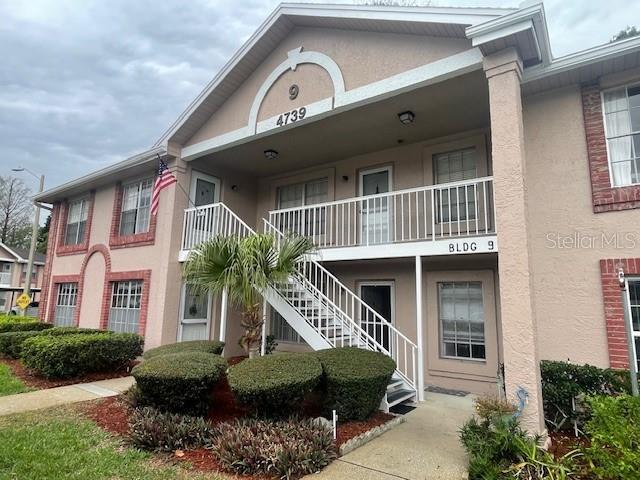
[(56, 193)]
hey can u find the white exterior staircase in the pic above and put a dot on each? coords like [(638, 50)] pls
[(324, 312)]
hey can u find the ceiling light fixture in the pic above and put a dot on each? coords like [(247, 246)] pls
[(406, 117), (270, 154)]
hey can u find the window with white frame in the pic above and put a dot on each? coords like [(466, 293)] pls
[(65, 304), (622, 127), (76, 221), (126, 300), (5, 273), (136, 207), (634, 305), (461, 317), (456, 203), (306, 222)]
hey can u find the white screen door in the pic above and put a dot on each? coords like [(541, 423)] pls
[(375, 218), (195, 313), (205, 190)]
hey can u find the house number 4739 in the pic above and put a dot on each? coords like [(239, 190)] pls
[(291, 116)]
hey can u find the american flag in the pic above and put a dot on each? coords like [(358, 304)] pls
[(165, 178)]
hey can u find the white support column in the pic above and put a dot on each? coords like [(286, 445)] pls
[(263, 346), (419, 341), (223, 315)]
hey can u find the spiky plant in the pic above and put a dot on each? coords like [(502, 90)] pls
[(245, 267)]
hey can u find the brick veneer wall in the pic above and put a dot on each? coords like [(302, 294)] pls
[(46, 277), (122, 241), (613, 308), (83, 246), (145, 276), (605, 198)]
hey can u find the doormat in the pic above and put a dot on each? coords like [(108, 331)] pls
[(446, 391), (401, 409)]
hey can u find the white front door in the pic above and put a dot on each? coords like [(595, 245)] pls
[(195, 315), (205, 189), (375, 218)]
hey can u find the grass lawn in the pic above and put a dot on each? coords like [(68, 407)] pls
[(60, 444), (9, 384)]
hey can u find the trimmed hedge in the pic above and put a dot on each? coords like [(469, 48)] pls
[(562, 381), (24, 326), (355, 380), (4, 318), (207, 346), (178, 382), (11, 342), (55, 331), (61, 356), (275, 384)]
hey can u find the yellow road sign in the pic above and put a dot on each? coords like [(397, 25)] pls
[(23, 301)]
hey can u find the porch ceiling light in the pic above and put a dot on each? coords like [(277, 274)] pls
[(270, 154), (406, 117)]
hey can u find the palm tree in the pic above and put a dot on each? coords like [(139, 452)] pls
[(245, 267)]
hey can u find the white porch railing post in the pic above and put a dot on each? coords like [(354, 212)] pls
[(419, 342), (223, 315), (263, 338)]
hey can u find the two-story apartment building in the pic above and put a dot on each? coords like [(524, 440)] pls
[(471, 197), (13, 274)]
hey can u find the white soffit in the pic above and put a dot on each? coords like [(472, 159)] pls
[(434, 21)]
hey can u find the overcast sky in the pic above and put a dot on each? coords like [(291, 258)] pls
[(87, 83)]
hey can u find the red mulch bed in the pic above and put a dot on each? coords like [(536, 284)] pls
[(31, 379), (112, 415)]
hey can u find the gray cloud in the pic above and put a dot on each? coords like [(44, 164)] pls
[(84, 84)]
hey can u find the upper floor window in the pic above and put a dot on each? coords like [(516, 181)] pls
[(76, 222), (308, 193), (5, 273), (456, 203), (136, 207), (622, 129)]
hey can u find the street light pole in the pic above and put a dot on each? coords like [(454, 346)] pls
[(34, 236)]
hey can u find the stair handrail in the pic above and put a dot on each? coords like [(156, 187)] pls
[(411, 378)]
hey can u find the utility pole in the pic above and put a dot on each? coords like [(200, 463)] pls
[(34, 235)]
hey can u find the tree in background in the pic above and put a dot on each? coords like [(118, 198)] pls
[(16, 210), (626, 33), (43, 236)]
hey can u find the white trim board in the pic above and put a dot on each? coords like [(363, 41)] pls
[(410, 249), (431, 73)]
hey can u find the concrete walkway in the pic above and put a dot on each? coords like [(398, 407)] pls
[(52, 397), (425, 446)]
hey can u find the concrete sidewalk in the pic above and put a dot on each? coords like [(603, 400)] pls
[(52, 397), (425, 446)]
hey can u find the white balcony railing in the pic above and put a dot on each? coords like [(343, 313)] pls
[(458, 209), (204, 223), (5, 278)]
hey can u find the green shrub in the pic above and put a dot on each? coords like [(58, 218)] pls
[(614, 434), (562, 381), (498, 449), (4, 318), (30, 325), (207, 346), (285, 448), (275, 384), (60, 356), (152, 429), (355, 381), (178, 382), (72, 330), (11, 342)]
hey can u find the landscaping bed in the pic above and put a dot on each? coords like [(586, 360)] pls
[(261, 418), (37, 382)]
